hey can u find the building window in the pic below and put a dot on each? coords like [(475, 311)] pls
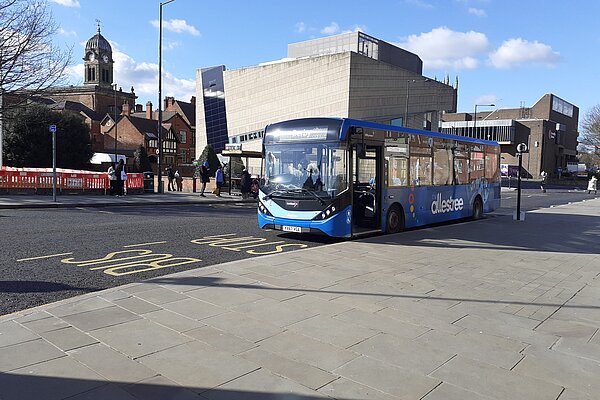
[(182, 137)]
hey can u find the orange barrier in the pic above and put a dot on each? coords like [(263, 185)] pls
[(42, 178)]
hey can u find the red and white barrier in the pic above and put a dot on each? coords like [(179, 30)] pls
[(67, 179)]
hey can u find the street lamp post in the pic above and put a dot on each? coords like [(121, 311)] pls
[(475, 116), (161, 189), (408, 81), (116, 126)]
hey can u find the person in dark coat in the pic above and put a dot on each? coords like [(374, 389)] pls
[(171, 178), (204, 177), (245, 183), (119, 183)]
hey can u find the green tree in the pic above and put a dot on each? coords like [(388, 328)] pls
[(208, 154), (142, 163), (236, 165), (28, 142)]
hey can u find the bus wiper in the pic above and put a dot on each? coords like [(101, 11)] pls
[(312, 193), (270, 195)]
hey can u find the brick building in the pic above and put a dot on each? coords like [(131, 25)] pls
[(133, 131), (548, 128)]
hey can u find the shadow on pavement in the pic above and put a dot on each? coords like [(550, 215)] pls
[(28, 386), (207, 281), (541, 232)]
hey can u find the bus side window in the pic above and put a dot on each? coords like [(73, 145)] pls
[(397, 171)]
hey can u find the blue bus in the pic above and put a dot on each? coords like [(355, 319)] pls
[(346, 178)]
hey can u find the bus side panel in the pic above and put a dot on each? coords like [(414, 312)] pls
[(434, 204)]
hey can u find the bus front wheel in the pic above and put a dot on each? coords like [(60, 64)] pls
[(477, 209), (395, 220)]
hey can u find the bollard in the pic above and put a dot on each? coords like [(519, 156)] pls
[(194, 184)]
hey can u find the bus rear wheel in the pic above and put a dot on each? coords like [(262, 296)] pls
[(395, 220), (477, 209)]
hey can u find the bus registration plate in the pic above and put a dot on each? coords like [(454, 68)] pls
[(286, 228)]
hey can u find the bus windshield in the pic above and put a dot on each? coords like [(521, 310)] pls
[(305, 169)]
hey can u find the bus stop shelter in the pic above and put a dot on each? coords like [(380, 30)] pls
[(236, 151)]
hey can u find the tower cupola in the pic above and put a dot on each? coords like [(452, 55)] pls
[(98, 61)]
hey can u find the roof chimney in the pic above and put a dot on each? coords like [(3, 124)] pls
[(138, 108), (126, 109), (193, 100), (169, 101), (149, 110)]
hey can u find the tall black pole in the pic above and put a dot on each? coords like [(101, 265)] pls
[(116, 128), (519, 187), (159, 126)]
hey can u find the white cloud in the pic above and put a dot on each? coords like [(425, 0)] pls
[(331, 29), (177, 26), (143, 77), (67, 3), (172, 45), (516, 52), (356, 28), (477, 12), (418, 3), (488, 99), (300, 27), (64, 32), (443, 48)]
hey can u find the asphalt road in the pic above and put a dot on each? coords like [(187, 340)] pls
[(52, 254)]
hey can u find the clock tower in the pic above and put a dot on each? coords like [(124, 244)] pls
[(98, 62)]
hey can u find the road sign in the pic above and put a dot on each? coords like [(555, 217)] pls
[(157, 151), (53, 128)]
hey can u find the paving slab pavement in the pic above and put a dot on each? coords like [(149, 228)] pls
[(492, 309)]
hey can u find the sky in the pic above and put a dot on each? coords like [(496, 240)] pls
[(504, 52)]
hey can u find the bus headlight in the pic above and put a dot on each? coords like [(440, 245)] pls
[(326, 213), (263, 209)]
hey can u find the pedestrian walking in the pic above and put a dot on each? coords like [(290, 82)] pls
[(219, 180), (112, 179), (171, 178), (592, 184), (204, 177), (119, 172), (245, 183), (544, 176), (124, 178), (178, 181)]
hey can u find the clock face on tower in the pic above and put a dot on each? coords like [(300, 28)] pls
[(105, 59), (92, 56)]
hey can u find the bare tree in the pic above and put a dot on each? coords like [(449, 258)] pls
[(590, 139), (29, 61)]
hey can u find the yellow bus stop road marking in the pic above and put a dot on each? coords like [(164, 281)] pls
[(42, 257), (144, 244)]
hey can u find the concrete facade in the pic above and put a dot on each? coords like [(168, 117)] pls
[(348, 76), (549, 128)]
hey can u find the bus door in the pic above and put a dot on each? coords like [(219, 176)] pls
[(367, 179)]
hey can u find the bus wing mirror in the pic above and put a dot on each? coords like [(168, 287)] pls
[(361, 150)]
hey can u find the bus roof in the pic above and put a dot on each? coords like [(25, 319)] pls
[(343, 124), (348, 122)]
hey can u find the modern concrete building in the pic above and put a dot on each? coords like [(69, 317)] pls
[(211, 120), (351, 75), (548, 128)]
